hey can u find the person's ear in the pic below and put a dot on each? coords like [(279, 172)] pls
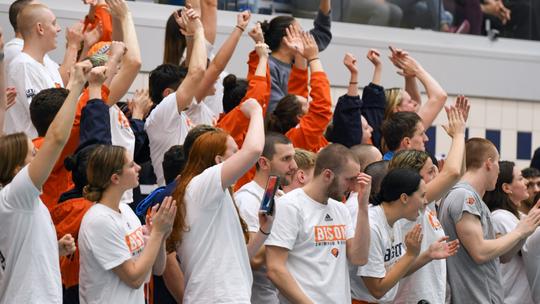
[(404, 198), (166, 92), (115, 179), (218, 159), (301, 176), (506, 188), (264, 163)]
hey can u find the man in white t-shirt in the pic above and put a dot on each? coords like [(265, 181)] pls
[(313, 237), (28, 66), (168, 124), (277, 159)]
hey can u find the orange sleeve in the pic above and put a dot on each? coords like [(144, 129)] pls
[(298, 82), (101, 14), (246, 178), (310, 133)]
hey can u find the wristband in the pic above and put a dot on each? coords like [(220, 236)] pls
[(267, 234), (241, 28), (310, 60), (353, 82)]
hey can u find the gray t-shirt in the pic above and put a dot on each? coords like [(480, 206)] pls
[(280, 71), (470, 282)]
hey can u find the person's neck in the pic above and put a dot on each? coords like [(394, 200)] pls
[(524, 207), (316, 190), (111, 198), (392, 214), (282, 56), (476, 180), (261, 178), (33, 51), (18, 35)]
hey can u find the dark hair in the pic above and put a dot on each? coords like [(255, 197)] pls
[(175, 41), (398, 126), (77, 164), (377, 171), (173, 163), (270, 141), (535, 161), (397, 182), (497, 198), (530, 172), (44, 107), (192, 136), (477, 151), (285, 116), (234, 90), (165, 76), (275, 30), (14, 10), (333, 157)]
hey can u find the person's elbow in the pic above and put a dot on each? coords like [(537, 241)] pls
[(441, 96), (135, 283), (377, 293), (273, 272), (478, 257), (196, 72), (358, 261)]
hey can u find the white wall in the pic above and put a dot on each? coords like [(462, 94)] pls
[(501, 77)]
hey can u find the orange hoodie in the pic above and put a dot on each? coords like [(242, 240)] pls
[(59, 180), (101, 15)]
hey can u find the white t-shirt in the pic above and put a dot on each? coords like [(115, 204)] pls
[(12, 49), (514, 276), (29, 77), (386, 247), (165, 128), (531, 258), (213, 253), (122, 135), (248, 199), (316, 236), (108, 238), (201, 114), (29, 265), (429, 282)]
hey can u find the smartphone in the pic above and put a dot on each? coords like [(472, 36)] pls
[(267, 204)]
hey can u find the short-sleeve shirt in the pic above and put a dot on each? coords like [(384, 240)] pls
[(514, 276), (107, 239), (213, 252), (315, 235), (165, 128), (29, 77), (470, 282), (531, 256), (29, 265), (386, 247), (248, 199), (122, 135)]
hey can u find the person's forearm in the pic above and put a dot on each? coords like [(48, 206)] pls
[(70, 58), (325, 6), (300, 62), (218, 64), (288, 286), (392, 277), (411, 87), (505, 258), (492, 249), (353, 84), (261, 66), (61, 126), (315, 65), (94, 91), (451, 171), (143, 265), (420, 261), (436, 98), (161, 261), (377, 72), (359, 252), (112, 68), (254, 141), (189, 50), (256, 240), (197, 66)]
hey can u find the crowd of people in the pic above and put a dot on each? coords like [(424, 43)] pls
[(363, 213)]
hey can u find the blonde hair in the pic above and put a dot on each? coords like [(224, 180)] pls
[(409, 159), (304, 159), (394, 97)]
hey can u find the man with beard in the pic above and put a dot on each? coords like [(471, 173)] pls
[(313, 236), (532, 175), (277, 159)]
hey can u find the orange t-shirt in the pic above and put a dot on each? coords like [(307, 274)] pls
[(101, 14)]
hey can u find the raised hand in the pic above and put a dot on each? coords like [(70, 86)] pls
[(118, 48), (74, 35), (79, 72), (262, 49), (92, 36), (311, 50), (250, 108), (140, 105), (363, 187), (66, 245), (456, 122), (242, 19), (528, 224), (293, 39), (97, 76), (463, 106), (350, 63), (374, 56), (117, 8), (191, 21), (441, 249), (162, 217), (256, 33), (408, 66), (413, 240)]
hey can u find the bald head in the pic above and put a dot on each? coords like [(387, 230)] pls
[(366, 154), (34, 17)]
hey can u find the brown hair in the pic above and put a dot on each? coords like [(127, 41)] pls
[(29, 16), (333, 157), (202, 156), (102, 164), (497, 198), (410, 159), (175, 42), (13, 148), (477, 151), (285, 116)]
